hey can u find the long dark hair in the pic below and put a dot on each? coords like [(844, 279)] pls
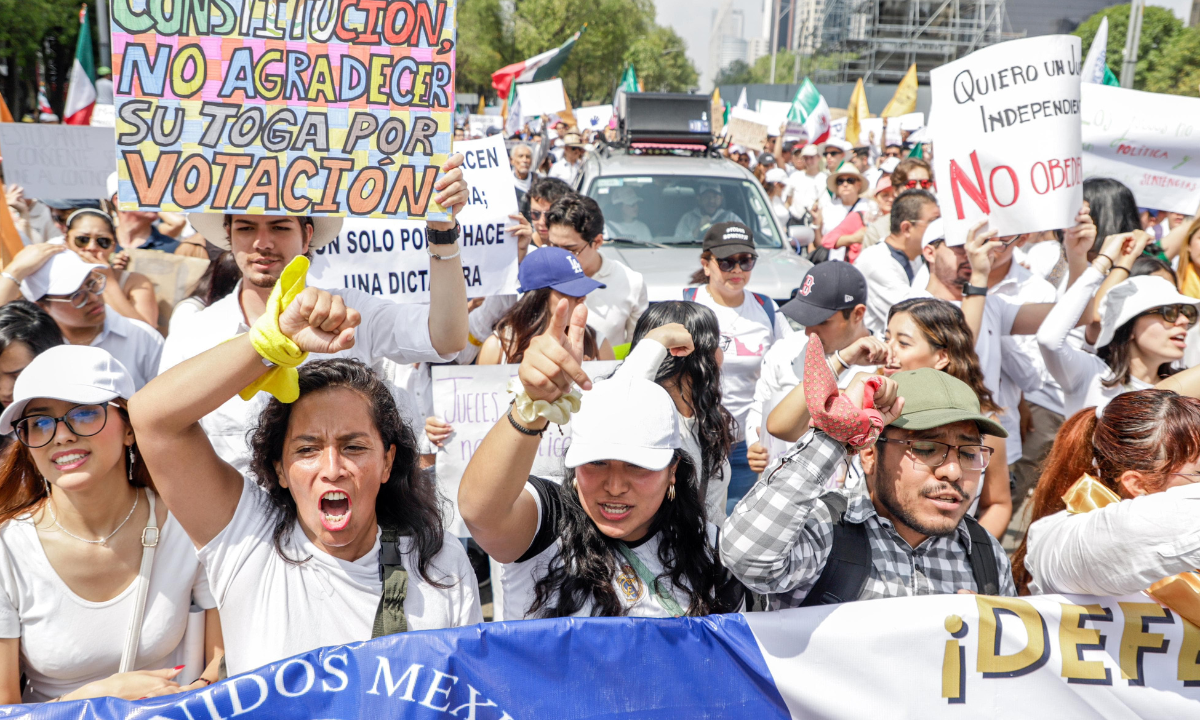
[(218, 280), (22, 487), (528, 318), (1112, 207), (23, 321), (408, 500), (1154, 432), (585, 566), (944, 327), (1119, 355), (714, 424)]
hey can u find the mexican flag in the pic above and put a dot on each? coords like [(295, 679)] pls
[(810, 114), (535, 69), (1095, 67), (629, 81), (81, 90), (512, 112)]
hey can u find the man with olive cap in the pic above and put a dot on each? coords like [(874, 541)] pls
[(708, 212), (801, 544), (263, 245)]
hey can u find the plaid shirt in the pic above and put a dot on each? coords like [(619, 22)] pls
[(779, 536)]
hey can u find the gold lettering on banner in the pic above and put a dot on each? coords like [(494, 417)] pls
[(954, 678), (1137, 640), (1074, 638), (1189, 655), (1026, 660)]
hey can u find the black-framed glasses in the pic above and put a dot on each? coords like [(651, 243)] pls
[(745, 261), (94, 285), (914, 184), (846, 181), (36, 431), (932, 454), (535, 215), (833, 153), (1171, 313), (102, 241)]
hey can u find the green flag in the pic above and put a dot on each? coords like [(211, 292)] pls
[(1110, 79), (629, 81)]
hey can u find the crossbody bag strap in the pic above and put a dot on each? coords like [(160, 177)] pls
[(134, 635), (389, 615), (667, 602)]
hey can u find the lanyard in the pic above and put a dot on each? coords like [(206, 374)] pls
[(664, 599)]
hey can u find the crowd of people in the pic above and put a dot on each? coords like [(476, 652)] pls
[(255, 464)]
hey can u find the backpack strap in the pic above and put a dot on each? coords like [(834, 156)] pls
[(769, 308), (849, 563), (689, 294), (389, 616), (983, 558)]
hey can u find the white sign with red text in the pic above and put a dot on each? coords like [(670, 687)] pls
[(1006, 132)]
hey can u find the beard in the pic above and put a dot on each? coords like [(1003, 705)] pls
[(886, 495)]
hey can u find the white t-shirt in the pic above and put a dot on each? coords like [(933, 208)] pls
[(887, 283), (272, 609), (520, 578), (614, 309), (745, 338), (806, 190), (66, 641)]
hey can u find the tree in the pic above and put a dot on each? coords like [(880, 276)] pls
[(737, 72), (483, 45), (1159, 26), (31, 28), (1177, 70), (660, 58)]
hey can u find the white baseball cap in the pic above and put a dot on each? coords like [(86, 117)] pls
[(604, 428), (1133, 297), (936, 230), (72, 373), (62, 274), (776, 175)]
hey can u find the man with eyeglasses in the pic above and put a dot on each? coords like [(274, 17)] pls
[(801, 544), (543, 192), (72, 292), (834, 153)]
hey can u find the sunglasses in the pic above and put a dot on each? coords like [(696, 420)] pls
[(744, 261), (833, 153), (535, 215), (37, 431), (914, 184), (94, 285), (1171, 313), (847, 181), (82, 241)]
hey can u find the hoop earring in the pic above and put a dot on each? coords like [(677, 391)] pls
[(671, 492)]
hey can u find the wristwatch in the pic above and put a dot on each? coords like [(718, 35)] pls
[(969, 290), (442, 237)]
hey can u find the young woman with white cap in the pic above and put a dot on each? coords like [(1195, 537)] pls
[(72, 291), (96, 577), (624, 535), (335, 536), (92, 234), (1143, 329)]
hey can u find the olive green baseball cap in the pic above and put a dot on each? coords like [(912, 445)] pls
[(933, 398)]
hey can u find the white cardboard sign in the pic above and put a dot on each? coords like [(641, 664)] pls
[(1149, 141), (1007, 136), (593, 117), (542, 98), (471, 398), (389, 257), (58, 162)]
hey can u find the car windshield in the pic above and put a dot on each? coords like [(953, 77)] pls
[(679, 209)]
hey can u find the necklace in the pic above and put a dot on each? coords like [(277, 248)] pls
[(103, 541)]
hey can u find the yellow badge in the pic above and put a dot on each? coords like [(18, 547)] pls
[(629, 583)]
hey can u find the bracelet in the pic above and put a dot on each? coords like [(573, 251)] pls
[(1120, 267), (10, 277), (429, 250), (530, 432), (205, 680), (838, 354)]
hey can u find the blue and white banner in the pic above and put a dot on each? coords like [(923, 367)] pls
[(943, 656)]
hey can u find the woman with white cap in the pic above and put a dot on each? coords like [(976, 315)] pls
[(1143, 330), (97, 579), (92, 235), (624, 535), (72, 292)]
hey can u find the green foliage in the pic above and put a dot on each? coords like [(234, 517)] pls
[(660, 58), (483, 46), (741, 73), (1177, 70), (1159, 27), (737, 72), (27, 26)]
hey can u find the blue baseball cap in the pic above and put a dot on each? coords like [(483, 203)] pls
[(557, 269)]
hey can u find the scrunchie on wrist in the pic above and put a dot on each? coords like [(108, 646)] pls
[(282, 381), (529, 410)]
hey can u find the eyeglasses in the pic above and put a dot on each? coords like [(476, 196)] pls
[(914, 184), (833, 153), (932, 454), (36, 431), (744, 261), (535, 215), (846, 181), (1171, 313), (94, 285), (574, 250), (104, 242)]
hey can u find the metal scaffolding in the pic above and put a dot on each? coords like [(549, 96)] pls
[(882, 38)]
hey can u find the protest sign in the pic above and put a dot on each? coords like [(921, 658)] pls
[(390, 258), (58, 162), (837, 128), (747, 128), (1007, 136), (471, 398), (542, 98), (929, 656), (329, 108), (174, 278), (478, 125), (1148, 141), (775, 113), (594, 117)]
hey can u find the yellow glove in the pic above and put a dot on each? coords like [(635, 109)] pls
[(282, 381)]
